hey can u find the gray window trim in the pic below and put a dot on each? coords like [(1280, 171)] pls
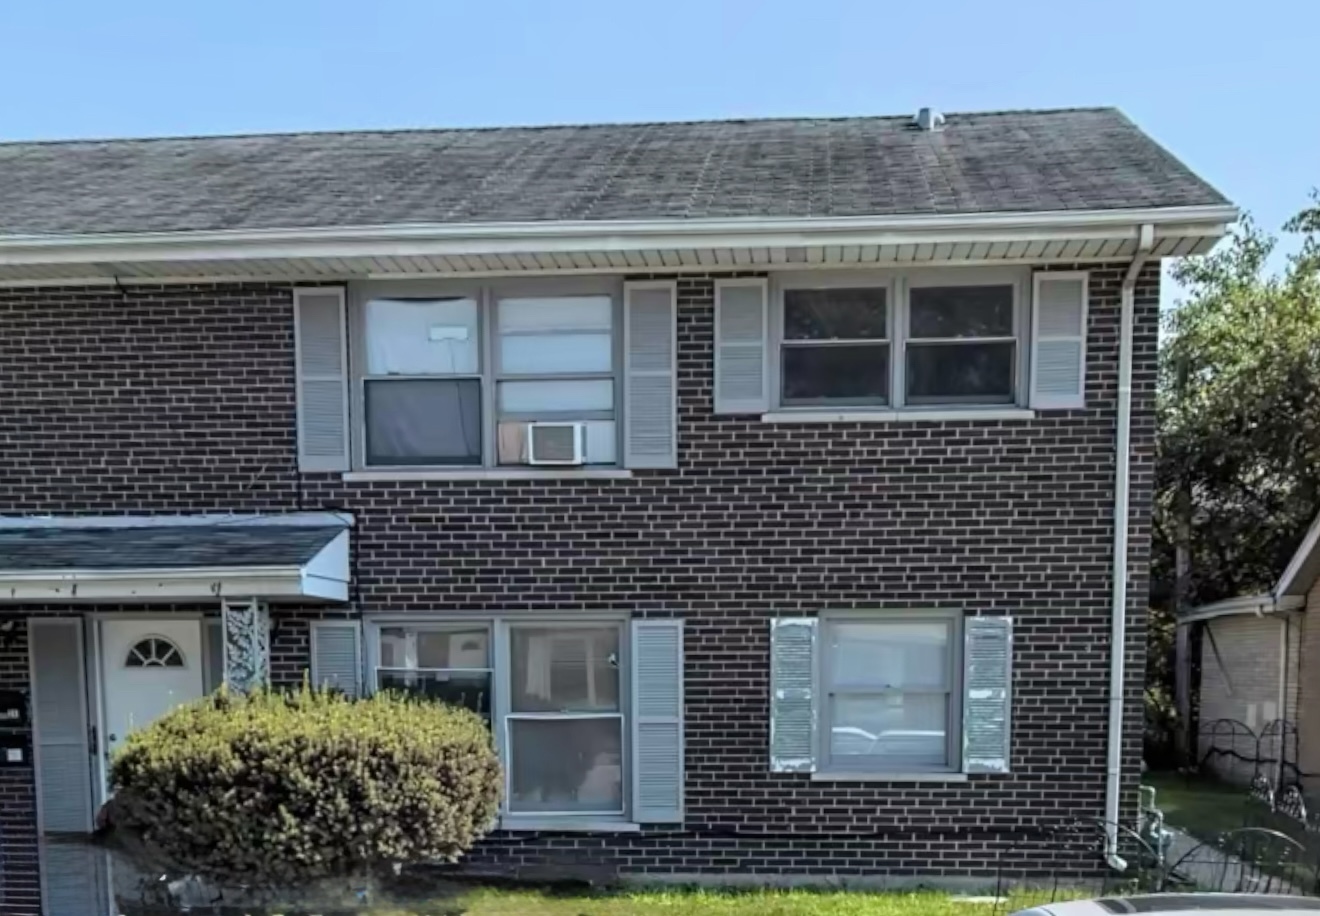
[(827, 769), (898, 283), (487, 294), (499, 625)]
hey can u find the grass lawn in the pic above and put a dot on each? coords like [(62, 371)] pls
[(491, 902), (1206, 808)]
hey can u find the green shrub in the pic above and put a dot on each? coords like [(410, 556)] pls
[(281, 789)]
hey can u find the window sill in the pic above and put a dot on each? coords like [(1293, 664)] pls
[(844, 776), (816, 415), (566, 825), (487, 474)]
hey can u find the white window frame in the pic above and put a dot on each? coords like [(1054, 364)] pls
[(500, 626), (487, 295), (824, 689), (433, 626), (898, 283)]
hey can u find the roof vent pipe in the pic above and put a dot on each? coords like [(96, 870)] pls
[(929, 119)]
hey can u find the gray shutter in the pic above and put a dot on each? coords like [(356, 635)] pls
[(657, 721), (987, 694), (793, 695), (650, 369), (337, 655), (741, 338), (59, 709), (322, 360), (1058, 340), (75, 879)]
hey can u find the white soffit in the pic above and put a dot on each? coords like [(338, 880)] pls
[(615, 247)]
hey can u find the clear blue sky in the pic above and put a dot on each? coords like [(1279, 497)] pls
[(1231, 88)]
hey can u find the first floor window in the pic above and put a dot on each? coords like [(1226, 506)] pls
[(890, 699), (555, 708)]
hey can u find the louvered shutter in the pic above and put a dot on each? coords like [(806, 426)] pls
[(987, 694), (337, 656), (1058, 340), (650, 409), (793, 695), (59, 711), (741, 335), (322, 361), (657, 721), (74, 879)]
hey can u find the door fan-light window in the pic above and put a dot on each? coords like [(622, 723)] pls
[(154, 652)]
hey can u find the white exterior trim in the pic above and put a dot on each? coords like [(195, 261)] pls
[(293, 519), (906, 415), (325, 576), (1246, 605), (321, 254)]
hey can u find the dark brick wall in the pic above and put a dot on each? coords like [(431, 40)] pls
[(171, 400)]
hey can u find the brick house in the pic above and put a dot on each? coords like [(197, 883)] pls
[(765, 483)]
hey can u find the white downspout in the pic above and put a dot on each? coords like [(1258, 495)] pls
[(1118, 606)]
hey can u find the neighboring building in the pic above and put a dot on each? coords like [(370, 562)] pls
[(1258, 697), (766, 483)]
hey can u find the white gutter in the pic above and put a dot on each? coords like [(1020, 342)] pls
[(143, 585), (1257, 605), (420, 240), (1118, 605)]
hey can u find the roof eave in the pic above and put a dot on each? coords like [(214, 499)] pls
[(609, 246)]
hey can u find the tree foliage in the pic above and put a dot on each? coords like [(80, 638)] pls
[(280, 789), (1238, 454)]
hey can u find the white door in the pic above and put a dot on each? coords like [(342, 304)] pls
[(149, 667)]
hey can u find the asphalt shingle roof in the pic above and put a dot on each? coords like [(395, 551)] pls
[(163, 547), (1079, 159)]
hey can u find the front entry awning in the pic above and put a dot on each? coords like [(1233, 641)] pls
[(289, 557)]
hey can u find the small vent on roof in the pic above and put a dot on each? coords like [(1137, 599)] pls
[(929, 119)]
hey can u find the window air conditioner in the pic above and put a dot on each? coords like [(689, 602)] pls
[(563, 444)]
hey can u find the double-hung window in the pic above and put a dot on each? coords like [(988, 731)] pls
[(890, 693), (553, 692), (918, 340), (460, 379)]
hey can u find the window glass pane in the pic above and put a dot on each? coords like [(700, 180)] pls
[(970, 373), (422, 337), (423, 421), (559, 313), (961, 311), (556, 353), (566, 765), (449, 647), (891, 654), (571, 669), (602, 442), (894, 731), (834, 314), (857, 374), (468, 689), (569, 396)]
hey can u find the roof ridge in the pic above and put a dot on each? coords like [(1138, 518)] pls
[(259, 135)]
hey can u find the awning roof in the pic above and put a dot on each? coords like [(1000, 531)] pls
[(275, 557)]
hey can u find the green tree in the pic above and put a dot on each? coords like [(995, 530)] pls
[(1238, 453)]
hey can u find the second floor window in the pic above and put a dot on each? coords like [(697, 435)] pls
[(921, 341), (459, 381)]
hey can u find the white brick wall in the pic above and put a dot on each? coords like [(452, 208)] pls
[(1242, 681)]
